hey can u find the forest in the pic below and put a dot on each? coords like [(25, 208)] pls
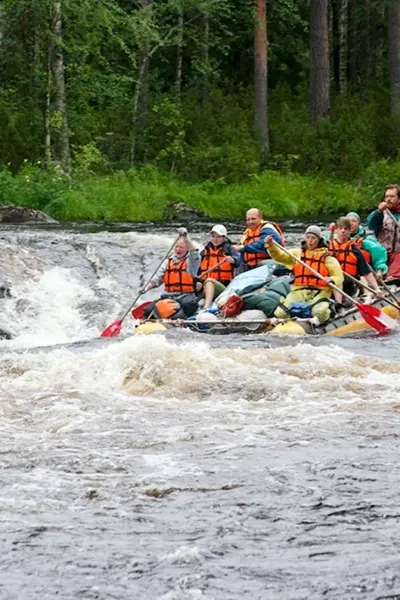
[(117, 109)]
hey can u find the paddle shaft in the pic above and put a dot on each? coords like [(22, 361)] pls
[(387, 288), (370, 289), (213, 268), (151, 277), (395, 221), (314, 272)]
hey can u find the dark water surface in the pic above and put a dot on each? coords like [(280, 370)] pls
[(181, 466)]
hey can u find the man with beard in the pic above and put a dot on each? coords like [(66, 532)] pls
[(385, 223)]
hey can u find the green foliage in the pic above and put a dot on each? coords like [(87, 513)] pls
[(341, 146), (204, 134), (89, 159), (377, 176), (34, 187), (146, 194)]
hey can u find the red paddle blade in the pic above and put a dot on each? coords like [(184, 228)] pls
[(112, 330), (137, 313), (376, 318)]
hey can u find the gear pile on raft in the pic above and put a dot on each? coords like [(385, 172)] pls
[(337, 284)]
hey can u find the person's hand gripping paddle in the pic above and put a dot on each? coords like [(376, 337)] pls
[(372, 315), (114, 329)]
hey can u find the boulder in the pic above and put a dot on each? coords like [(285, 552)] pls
[(181, 211), (5, 335), (23, 214), (5, 291)]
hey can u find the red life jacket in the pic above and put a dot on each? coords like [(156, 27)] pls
[(211, 257), (316, 260), (176, 278), (345, 256), (252, 259)]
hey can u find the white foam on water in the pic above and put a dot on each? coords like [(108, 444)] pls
[(186, 555), (45, 310), (187, 594), (310, 380)]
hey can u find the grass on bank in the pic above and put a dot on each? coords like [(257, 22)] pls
[(146, 194)]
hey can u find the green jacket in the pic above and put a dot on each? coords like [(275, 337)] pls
[(376, 250)]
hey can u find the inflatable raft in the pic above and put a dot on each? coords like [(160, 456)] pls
[(346, 323)]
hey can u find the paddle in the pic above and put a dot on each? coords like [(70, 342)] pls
[(138, 311), (371, 314), (389, 291), (391, 215), (213, 268), (370, 289), (115, 328)]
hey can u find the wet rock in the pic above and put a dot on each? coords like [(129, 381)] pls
[(5, 334), (92, 494), (23, 214), (181, 211), (5, 291)]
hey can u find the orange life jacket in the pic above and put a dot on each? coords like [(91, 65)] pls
[(252, 259), (177, 279), (166, 308), (211, 257), (358, 242), (316, 260), (345, 256)]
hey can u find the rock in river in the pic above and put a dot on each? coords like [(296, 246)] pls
[(23, 214)]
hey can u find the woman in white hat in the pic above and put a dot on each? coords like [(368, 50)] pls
[(219, 259), (306, 286)]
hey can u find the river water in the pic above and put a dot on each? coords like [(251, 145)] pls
[(181, 466)]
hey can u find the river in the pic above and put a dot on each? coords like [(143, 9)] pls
[(181, 466)]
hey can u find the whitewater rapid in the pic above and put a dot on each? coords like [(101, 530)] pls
[(177, 466)]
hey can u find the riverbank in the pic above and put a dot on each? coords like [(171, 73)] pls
[(140, 195)]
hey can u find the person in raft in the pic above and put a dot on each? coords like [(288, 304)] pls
[(218, 262), (385, 223), (252, 245), (306, 287), (382, 224), (374, 253), (350, 258), (178, 276)]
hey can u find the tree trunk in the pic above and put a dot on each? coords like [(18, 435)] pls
[(394, 56), (379, 44), (353, 73), (2, 18), (47, 110), (261, 78), (205, 56), (136, 97), (62, 148), (179, 56), (319, 60), (343, 43)]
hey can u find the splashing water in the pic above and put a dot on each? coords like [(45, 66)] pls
[(183, 467)]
